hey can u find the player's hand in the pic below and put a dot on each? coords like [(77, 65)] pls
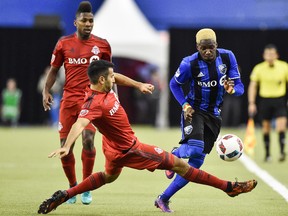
[(252, 109), (47, 101), (62, 152), (188, 114), (146, 88), (229, 86)]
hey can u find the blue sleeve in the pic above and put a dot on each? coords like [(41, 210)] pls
[(182, 75), (177, 91), (238, 87), (234, 71)]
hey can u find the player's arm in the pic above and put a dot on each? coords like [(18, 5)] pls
[(252, 92), (234, 86), (49, 82), (74, 133), (120, 79)]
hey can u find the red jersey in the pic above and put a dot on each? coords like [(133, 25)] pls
[(76, 55), (106, 113)]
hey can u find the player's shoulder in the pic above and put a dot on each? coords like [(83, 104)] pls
[(224, 51), (97, 38), (191, 58), (281, 62), (66, 38)]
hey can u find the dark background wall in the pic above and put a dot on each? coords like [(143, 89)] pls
[(247, 45), (24, 54)]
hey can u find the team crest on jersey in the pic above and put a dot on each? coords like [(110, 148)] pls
[(95, 50), (222, 68), (83, 112), (158, 150), (188, 129)]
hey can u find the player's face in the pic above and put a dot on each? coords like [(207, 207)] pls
[(207, 49), (270, 55), (84, 24), (109, 81)]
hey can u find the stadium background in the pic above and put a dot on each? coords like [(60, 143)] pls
[(245, 27)]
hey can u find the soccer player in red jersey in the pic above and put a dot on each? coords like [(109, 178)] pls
[(76, 52), (120, 145)]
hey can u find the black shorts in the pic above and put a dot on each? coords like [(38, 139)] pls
[(272, 108), (205, 127)]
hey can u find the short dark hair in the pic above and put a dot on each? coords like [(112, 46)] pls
[(84, 7), (271, 46), (98, 68)]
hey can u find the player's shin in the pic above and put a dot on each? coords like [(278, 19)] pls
[(202, 177), (94, 181)]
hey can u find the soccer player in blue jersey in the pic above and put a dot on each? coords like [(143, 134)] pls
[(211, 72)]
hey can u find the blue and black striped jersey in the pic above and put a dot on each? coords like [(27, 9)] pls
[(207, 80)]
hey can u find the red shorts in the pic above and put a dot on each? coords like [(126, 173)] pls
[(141, 156), (68, 115)]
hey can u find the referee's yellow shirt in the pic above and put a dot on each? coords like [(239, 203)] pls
[(271, 80)]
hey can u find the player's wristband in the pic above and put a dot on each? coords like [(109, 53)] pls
[(233, 91), (185, 106)]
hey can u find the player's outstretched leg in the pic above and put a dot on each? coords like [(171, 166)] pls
[(242, 187), (53, 202), (169, 173)]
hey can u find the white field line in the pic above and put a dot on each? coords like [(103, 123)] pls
[(265, 176)]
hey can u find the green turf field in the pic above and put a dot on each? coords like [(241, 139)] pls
[(27, 177)]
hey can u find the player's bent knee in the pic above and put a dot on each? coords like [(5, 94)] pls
[(110, 178), (180, 166)]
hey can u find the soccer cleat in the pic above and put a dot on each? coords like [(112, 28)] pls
[(242, 187), (86, 198), (163, 205), (53, 202), (169, 173), (282, 157), (268, 159), (72, 200)]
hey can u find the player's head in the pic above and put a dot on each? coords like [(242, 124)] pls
[(270, 54), (84, 20), (206, 44), (100, 72)]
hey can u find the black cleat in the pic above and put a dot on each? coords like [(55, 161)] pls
[(53, 202)]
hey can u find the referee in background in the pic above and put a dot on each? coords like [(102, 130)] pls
[(271, 77)]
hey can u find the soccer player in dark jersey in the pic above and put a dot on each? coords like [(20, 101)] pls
[(120, 145), (211, 72), (76, 52)]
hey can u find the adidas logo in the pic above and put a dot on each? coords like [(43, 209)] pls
[(200, 74)]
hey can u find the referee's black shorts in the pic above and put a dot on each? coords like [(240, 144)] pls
[(269, 108)]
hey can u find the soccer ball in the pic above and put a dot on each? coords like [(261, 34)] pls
[(229, 147)]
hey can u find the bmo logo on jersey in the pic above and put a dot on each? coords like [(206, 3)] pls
[(212, 83), (82, 60)]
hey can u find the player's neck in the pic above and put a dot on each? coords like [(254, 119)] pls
[(97, 88), (82, 37)]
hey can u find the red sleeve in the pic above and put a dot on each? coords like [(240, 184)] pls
[(90, 112), (107, 55), (57, 56)]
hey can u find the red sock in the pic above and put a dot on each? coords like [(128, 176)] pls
[(88, 158), (93, 182), (68, 164), (202, 177)]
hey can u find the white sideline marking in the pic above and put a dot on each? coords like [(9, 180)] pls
[(265, 176)]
